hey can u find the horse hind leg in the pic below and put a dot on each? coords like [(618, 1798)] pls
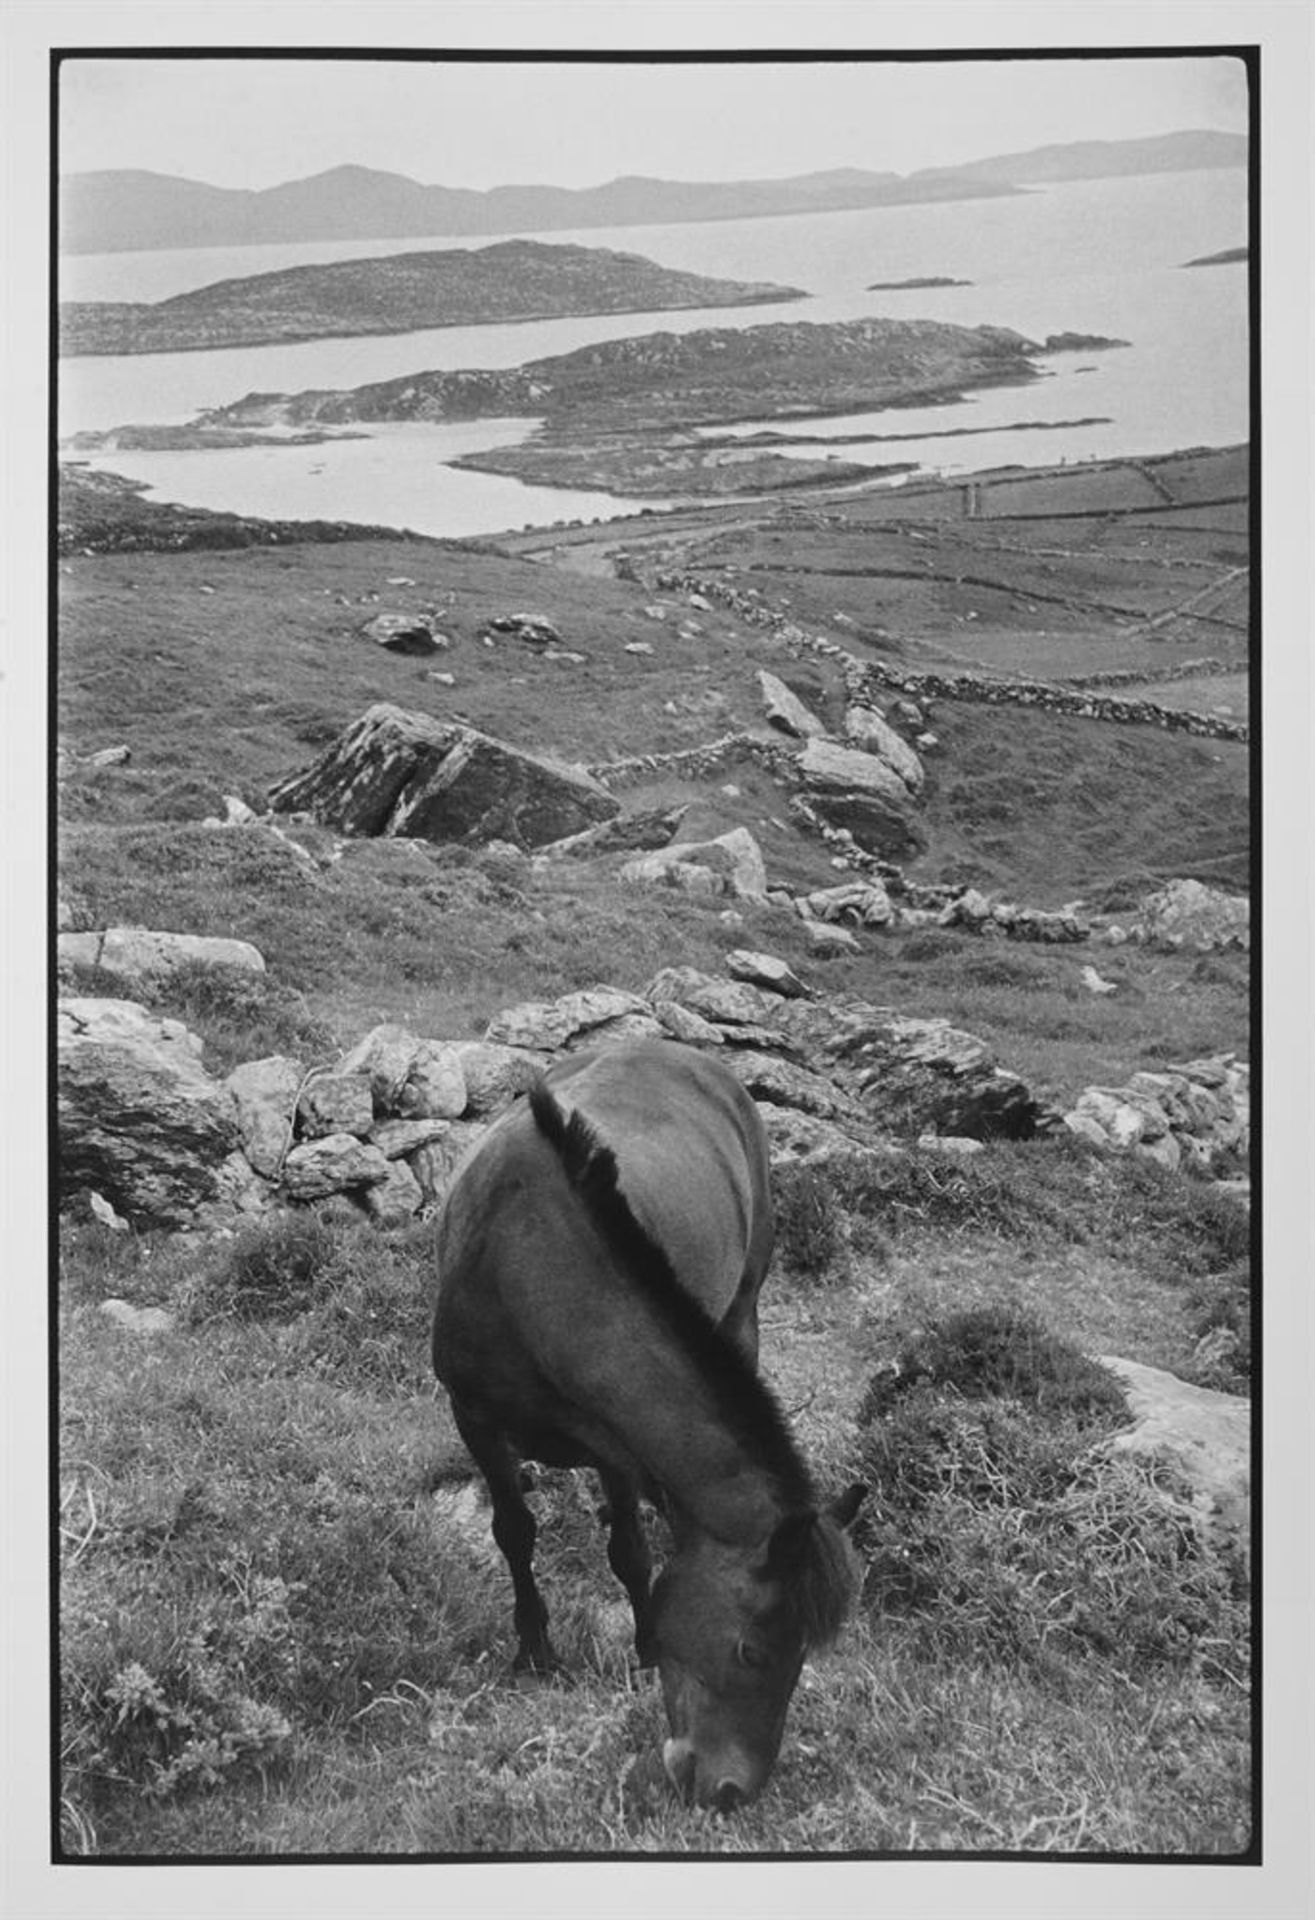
[(628, 1556), (515, 1532)]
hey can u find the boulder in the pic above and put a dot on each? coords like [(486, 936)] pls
[(869, 733), (336, 1164), (829, 768), (140, 1120), (1205, 1439), (531, 628), (385, 1053), (780, 1083), (395, 1200), (796, 1138), (495, 1074), (265, 1095), (1184, 913), (435, 1083), (1199, 1111), (434, 1164), (135, 954), (412, 634), (913, 1076), (637, 832), (683, 1024), (863, 903), (727, 1002), (545, 1025), (730, 864), (335, 1103), (831, 942), (765, 970), (786, 711), (408, 775), (399, 1139)]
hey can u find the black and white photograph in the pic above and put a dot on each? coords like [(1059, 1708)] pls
[(654, 1027)]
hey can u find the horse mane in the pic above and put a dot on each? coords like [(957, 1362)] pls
[(742, 1398), (816, 1599)]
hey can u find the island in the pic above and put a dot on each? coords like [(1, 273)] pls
[(628, 416), (514, 280), (1225, 259), (909, 286)]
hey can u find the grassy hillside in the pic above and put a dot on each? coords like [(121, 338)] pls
[(285, 1628)]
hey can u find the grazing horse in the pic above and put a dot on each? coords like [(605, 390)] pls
[(600, 1253)]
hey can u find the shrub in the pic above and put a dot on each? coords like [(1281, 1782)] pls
[(1001, 1527), (811, 1240)]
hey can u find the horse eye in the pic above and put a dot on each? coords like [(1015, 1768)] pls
[(750, 1656)]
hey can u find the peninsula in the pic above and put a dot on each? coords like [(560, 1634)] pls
[(627, 415), (514, 280)]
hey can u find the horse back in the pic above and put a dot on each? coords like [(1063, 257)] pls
[(533, 1308)]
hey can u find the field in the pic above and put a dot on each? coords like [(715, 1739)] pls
[(285, 1629)]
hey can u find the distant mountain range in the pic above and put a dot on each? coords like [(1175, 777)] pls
[(127, 210)]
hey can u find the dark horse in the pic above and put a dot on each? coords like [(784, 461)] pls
[(600, 1254)]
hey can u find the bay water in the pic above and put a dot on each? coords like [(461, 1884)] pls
[(1102, 257)]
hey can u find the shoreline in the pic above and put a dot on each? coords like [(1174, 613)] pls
[(107, 505)]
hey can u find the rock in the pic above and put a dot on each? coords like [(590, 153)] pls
[(385, 1053), (952, 1146), (796, 1138), (100, 1209), (971, 910), (683, 1024), (137, 1319), (435, 1084), (863, 902), (265, 1094), (765, 970), (335, 1164), (399, 1139), (134, 954), (829, 768), (638, 646), (434, 1165), (405, 774), (109, 757), (406, 633), (913, 1076), (730, 864), (779, 1083), (831, 942), (396, 1199), (140, 1120), (495, 1074), (1092, 981), (532, 628), (241, 1195), (642, 830), (1204, 1437), (786, 711), (1199, 1111), (869, 733), (545, 1025), (727, 1002), (1184, 913), (335, 1103)]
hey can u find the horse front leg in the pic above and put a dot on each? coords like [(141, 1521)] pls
[(515, 1532), (627, 1553)]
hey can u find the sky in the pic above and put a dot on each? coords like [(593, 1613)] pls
[(256, 122)]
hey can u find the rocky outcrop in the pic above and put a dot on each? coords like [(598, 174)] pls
[(406, 774), (140, 1120), (1195, 1115), (732, 864), (1203, 1437)]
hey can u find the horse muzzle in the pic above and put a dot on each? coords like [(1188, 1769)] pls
[(723, 1788)]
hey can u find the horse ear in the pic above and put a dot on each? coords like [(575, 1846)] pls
[(789, 1544), (844, 1509)]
